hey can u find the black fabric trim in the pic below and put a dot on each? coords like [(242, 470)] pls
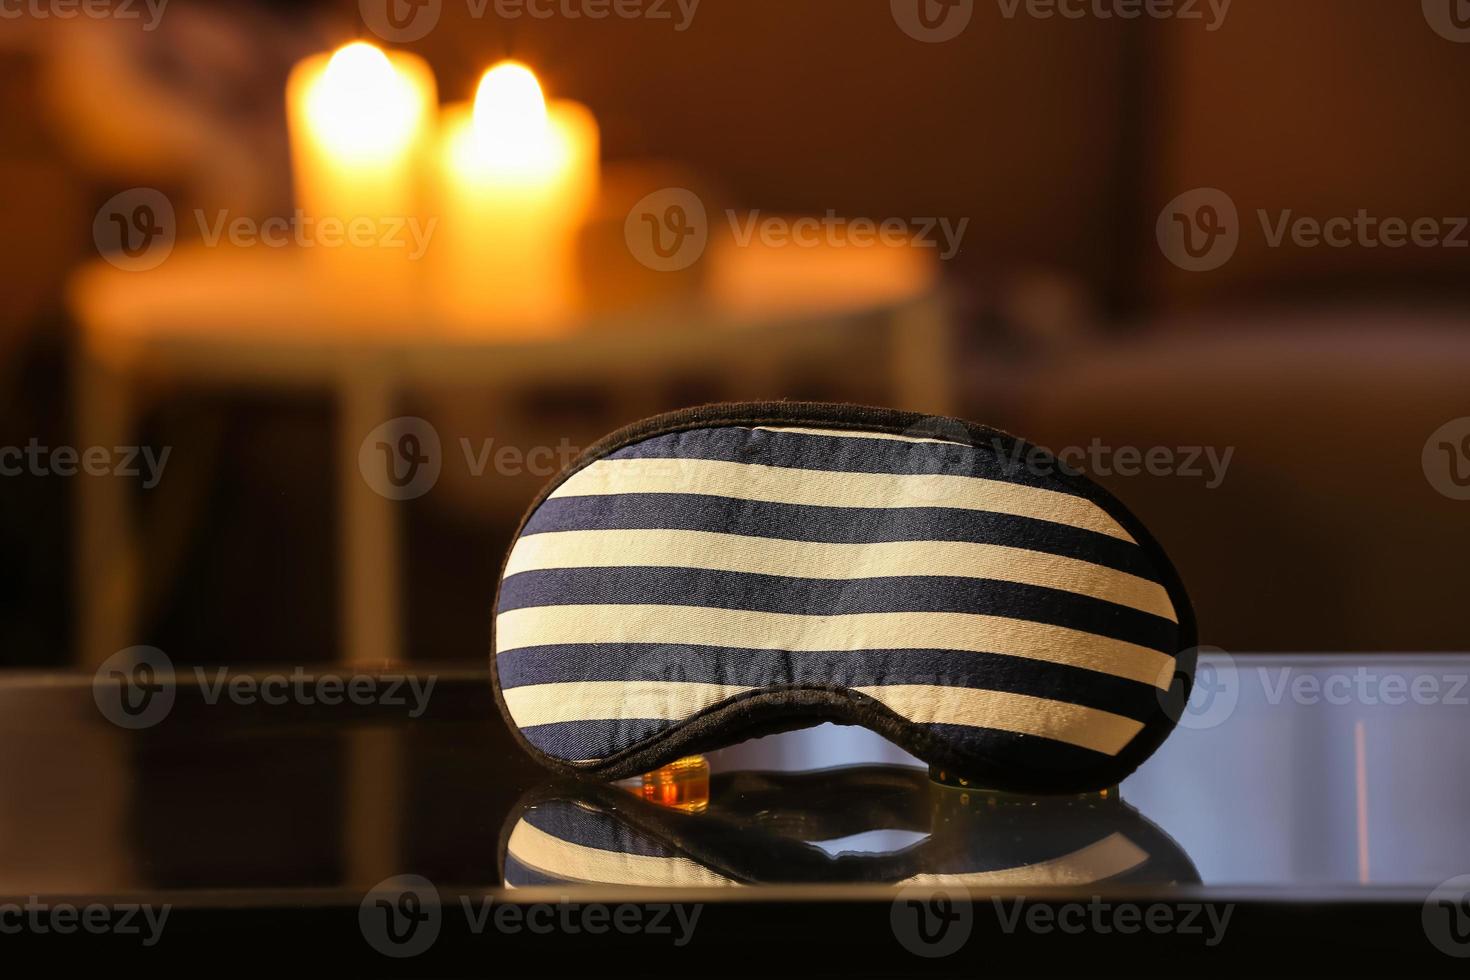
[(786, 709)]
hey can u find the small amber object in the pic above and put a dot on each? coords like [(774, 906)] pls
[(682, 784)]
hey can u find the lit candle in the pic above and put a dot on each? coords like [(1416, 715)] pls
[(360, 121), (518, 177)]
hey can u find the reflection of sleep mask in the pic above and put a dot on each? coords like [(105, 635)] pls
[(726, 572), (785, 828)]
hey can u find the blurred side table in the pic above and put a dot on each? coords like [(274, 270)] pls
[(259, 319)]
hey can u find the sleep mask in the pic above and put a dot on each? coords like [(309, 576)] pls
[(726, 572)]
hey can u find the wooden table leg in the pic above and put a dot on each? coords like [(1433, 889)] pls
[(374, 806), (107, 560), (368, 532), (921, 348), (370, 557)]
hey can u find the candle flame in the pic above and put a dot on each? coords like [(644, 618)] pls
[(510, 121), (359, 65), (359, 105)]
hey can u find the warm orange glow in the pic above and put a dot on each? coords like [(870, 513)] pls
[(518, 175), (361, 121), (359, 107), (510, 123), (680, 785)]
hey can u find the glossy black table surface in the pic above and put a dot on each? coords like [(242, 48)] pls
[(1310, 810)]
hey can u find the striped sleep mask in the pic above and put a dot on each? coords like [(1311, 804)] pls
[(858, 825), (721, 573)]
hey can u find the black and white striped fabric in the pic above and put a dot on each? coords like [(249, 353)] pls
[(562, 842), (590, 834), (726, 572)]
